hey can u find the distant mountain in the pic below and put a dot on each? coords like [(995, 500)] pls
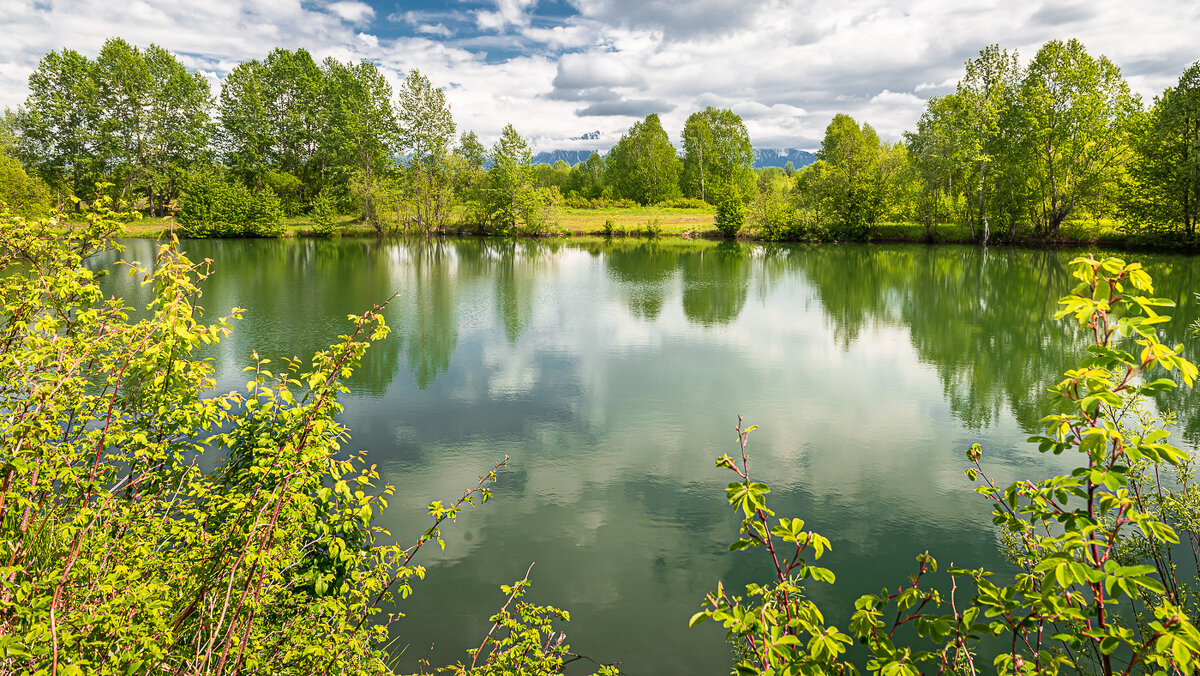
[(589, 136), (571, 157), (763, 157), (775, 157)]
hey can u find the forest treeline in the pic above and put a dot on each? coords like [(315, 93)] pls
[(1015, 152)]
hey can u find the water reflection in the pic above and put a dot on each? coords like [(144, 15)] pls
[(612, 373)]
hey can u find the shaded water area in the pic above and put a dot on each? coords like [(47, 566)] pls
[(613, 374)]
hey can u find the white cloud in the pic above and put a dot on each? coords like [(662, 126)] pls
[(352, 12), (507, 12), (787, 66)]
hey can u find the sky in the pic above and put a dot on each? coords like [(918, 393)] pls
[(557, 69)]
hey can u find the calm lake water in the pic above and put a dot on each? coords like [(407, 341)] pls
[(613, 375)]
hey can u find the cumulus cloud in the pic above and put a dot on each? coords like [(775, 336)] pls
[(352, 12), (627, 108), (581, 71), (560, 68), (506, 13)]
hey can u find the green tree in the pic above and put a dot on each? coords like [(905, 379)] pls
[(275, 117), (717, 156), (512, 202), (1076, 108), (1163, 192), (938, 165), (58, 125), (587, 179), (643, 166), (989, 131), (425, 132), (362, 127), (180, 130), (856, 187)]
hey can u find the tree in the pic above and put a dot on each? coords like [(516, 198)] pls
[(587, 178), (179, 127), (511, 202), (274, 114), (643, 166), (425, 131), (717, 156), (58, 126), (938, 164), (988, 130), (1076, 108), (362, 128), (24, 195), (1164, 188), (856, 189)]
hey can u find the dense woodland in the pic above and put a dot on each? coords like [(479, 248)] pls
[(1017, 151)]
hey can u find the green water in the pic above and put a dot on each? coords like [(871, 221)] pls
[(612, 375)]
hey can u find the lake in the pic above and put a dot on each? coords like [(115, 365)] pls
[(612, 374)]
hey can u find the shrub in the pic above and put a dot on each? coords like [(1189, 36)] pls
[(25, 195), (122, 556), (1092, 544), (287, 188), (212, 206), (730, 216), (684, 203), (324, 213)]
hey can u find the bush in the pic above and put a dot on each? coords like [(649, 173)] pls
[(122, 555), (324, 213), (25, 195), (212, 206), (731, 216), (287, 189), (683, 203), (1093, 545)]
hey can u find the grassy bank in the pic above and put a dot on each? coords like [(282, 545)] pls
[(699, 223)]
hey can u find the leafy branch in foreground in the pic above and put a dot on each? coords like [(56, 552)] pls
[(117, 553), (1078, 537)]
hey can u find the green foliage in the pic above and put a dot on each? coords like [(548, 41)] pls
[(731, 216), (214, 206), (524, 642), (324, 213), (717, 155), (643, 166), (511, 202), (1162, 193), (123, 556), (25, 195), (1076, 536), (683, 203), (133, 117), (425, 131), (288, 191)]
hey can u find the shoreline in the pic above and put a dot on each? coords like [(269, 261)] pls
[(699, 227)]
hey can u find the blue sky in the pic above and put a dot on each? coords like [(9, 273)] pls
[(559, 68)]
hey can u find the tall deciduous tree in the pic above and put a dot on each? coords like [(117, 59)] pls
[(58, 124), (717, 156), (856, 188), (1076, 108), (275, 117), (989, 130), (643, 166), (425, 132), (511, 201), (362, 129), (179, 129), (1164, 193)]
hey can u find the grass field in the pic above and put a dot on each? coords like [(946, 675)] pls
[(641, 222)]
